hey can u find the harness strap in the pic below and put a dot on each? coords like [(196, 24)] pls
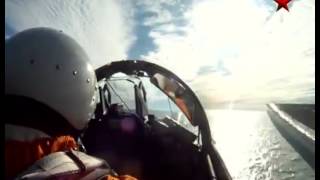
[(76, 159)]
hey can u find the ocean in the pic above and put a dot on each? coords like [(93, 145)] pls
[(253, 149)]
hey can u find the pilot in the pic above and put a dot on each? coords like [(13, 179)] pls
[(50, 90)]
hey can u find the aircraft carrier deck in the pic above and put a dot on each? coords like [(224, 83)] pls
[(296, 123)]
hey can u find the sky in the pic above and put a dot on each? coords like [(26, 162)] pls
[(228, 51)]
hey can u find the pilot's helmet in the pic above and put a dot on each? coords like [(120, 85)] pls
[(52, 68)]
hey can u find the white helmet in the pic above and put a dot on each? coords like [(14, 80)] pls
[(50, 67)]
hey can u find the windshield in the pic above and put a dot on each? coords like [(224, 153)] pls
[(239, 57), (121, 89), (122, 92)]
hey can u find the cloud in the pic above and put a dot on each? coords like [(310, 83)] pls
[(103, 28), (227, 51), (258, 46), (162, 16)]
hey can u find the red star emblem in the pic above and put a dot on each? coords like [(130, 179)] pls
[(282, 4)]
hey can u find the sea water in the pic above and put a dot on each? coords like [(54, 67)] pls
[(252, 147)]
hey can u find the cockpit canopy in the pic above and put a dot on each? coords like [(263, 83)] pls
[(144, 77)]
